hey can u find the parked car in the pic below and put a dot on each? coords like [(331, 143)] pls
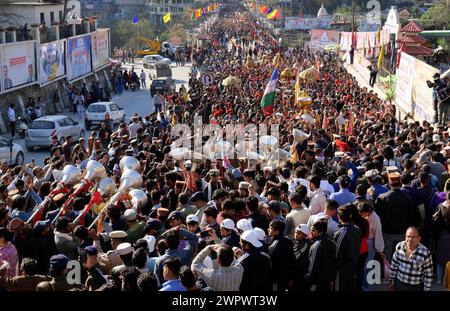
[(162, 85), (108, 112), (155, 59), (42, 129), (159, 71), (17, 156)]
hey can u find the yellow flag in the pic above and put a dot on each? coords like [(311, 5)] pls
[(276, 60), (378, 35), (380, 56), (166, 18)]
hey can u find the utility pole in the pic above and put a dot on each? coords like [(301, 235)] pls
[(353, 16)]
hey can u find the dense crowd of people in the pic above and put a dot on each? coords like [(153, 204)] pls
[(363, 187)]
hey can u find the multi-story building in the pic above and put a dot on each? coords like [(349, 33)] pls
[(158, 8), (31, 12)]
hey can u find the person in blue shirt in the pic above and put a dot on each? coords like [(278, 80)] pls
[(376, 188), (171, 272), (343, 196)]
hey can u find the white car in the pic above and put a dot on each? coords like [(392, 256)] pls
[(43, 129), (155, 59), (100, 112), (17, 155)]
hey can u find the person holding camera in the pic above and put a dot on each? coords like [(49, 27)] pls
[(441, 98)]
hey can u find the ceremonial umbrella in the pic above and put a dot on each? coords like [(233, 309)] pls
[(309, 74), (230, 81)]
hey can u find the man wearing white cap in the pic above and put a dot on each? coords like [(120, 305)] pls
[(228, 232), (244, 225), (125, 252), (256, 264), (112, 258), (192, 223), (301, 252)]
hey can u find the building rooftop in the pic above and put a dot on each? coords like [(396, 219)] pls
[(412, 27)]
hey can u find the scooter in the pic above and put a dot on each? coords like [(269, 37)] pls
[(21, 127)]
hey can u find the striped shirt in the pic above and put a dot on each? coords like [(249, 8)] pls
[(8, 253), (416, 269), (222, 279)]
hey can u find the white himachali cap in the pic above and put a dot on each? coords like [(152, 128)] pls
[(191, 218), (251, 237), (303, 228), (244, 225), (228, 224), (124, 249)]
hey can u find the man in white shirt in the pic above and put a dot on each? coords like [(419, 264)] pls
[(134, 126), (142, 77), (330, 212), (318, 200), (299, 214), (12, 120)]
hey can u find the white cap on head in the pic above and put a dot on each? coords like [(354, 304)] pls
[(124, 249), (118, 234), (244, 224), (191, 218), (130, 214), (261, 234), (151, 242), (228, 224), (251, 237), (303, 228), (436, 138)]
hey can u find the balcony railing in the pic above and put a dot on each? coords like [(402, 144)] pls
[(44, 34)]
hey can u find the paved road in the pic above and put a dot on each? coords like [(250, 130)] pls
[(133, 102)]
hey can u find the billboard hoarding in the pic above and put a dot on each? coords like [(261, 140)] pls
[(78, 56), (51, 61), (100, 48), (307, 23), (18, 64), (320, 38)]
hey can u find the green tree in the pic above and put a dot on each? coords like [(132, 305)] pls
[(124, 33), (437, 16)]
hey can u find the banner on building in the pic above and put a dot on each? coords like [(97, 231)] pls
[(307, 23), (100, 48), (52, 58), (18, 64), (320, 38), (365, 39), (78, 56)]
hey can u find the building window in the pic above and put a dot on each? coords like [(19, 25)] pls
[(166, 1), (60, 16), (52, 17), (42, 17), (167, 9)]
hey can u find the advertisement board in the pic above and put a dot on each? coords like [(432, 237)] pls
[(18, 64), (403, 92), (307, 23), (100, 48), (422, 97), (78, 56), (52, 59), (320, 38)]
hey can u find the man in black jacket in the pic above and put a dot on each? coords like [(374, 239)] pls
[(256, 264), (348, 244), (281, 253), (322, 268), (258, 220), (301, 253), (397, 211)]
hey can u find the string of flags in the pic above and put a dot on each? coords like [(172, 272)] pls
[(271, 13), (197, 13)]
